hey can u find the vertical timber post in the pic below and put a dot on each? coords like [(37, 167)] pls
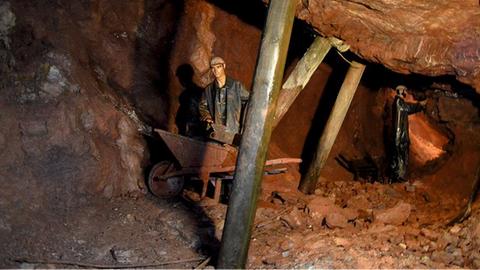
[(300, 76), (256, 137), (334, 123)]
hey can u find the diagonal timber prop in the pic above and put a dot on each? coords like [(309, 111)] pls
[(334, 123), (298, 79)]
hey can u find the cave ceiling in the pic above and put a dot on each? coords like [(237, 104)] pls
[(429, 37)]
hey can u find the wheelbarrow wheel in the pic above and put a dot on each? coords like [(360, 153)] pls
[(164, 187)]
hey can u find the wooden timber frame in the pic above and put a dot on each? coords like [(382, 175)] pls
[(256, 137), (263, 115), (334, 123), (300, 76)]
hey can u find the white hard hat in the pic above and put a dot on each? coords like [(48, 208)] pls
[(401, 88), (217, 60)]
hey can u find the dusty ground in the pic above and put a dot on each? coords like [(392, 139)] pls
[(125, 231), (354, 225), (344, 225)]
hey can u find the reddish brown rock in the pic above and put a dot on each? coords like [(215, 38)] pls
[(443, 257), (395, 215), (320, 201), (412, 243), (427, 37), (336, 220), (411, 231), (287, 244), (456, 229), (427, 141), (476, 231), (456, 110), (432, 235), (447, 239), (365, 215), (320, 212), (72, 76), (314, 244), (365, 263), (319, 207), (359, 202), (339, 241), (349, 213), (297, 238), (202, 43), (294, 219)]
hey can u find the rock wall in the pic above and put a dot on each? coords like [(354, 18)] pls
[(209, 28), (435, 37), (206, 30), (79, 74), (76, 77), (460, 115)]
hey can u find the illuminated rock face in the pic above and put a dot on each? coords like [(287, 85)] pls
[(432, 37), (427, 142)]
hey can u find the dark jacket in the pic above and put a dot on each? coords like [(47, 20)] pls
[(399, 161), (401, 110), (236, 99)]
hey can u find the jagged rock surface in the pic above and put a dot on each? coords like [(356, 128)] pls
[(74, 76), (435, 37)]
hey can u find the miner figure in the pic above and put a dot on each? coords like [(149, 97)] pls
[(224, 100), (401, 144)]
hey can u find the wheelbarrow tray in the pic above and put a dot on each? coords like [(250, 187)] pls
[(199, 158), (192, 153), (196, 156)]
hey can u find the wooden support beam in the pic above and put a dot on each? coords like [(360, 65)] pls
[(300, 76), (256, 137), (334, 123)]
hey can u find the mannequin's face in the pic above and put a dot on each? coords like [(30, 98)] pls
[(218, 70)]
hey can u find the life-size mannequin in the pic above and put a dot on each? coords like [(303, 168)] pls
[(223, 100), (401, 143)]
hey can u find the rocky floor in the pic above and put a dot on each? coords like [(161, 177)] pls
[(343, 225), (361, 233), (355, 225), (121, 232)]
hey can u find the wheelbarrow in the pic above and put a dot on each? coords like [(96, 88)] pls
[(198, 159)]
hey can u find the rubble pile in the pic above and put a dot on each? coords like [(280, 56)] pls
[(360, 225)]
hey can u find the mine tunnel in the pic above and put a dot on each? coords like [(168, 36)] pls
[(92, 90)]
